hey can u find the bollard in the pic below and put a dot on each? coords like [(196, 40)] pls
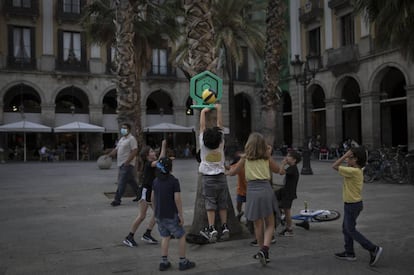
[(2, 155), (409, 158), (104, 162)]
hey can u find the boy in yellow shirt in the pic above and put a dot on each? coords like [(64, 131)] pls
[(352, 197)]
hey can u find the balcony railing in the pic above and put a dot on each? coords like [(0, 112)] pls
[(70, 17), (12, 10), (343, 60), (71, 66), (21, 63), (161, 71), (339, 4)]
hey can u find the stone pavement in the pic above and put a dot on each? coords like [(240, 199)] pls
[(55, 219)]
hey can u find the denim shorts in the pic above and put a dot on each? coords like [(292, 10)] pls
[(240, 198), (168, 227)]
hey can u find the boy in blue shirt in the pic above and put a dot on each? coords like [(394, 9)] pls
[(168, 210)]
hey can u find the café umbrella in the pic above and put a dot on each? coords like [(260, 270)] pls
[(24, 126), (78, 127)]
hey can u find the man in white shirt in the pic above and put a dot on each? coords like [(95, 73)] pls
[(126, 151)]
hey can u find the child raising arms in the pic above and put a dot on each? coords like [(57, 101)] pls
[(214, 181), (150, 160), (352, 197)]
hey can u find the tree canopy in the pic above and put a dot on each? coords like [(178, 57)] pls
[(393, 23)]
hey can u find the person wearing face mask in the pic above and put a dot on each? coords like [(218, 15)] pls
[(126, 151)]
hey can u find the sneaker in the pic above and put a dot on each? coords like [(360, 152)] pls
[(115, 203), (187, 264), (287, 233), (375, 255), (210, 233), (263, 257), (225, 232), (256, 256), (136, 199), (304, 224), (345, 256), (130, 242), (240, 215), (149, 239), (254, 242), (164, 266)]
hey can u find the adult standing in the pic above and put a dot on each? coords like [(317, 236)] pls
[(126, 151)]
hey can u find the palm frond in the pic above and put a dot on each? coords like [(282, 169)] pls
[(393, 21)]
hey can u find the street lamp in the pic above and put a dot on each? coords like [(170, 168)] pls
[(304, 76)]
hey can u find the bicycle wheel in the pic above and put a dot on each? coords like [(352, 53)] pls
[(370, 173), (329, 215), (391, 172)]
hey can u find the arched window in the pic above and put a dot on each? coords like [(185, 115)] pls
[(159, 102), (72, 100), (110, 102), (22, 98)]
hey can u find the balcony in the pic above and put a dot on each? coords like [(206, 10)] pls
[(31, 11), (157, 71), (311, 12), (65, 66), (69, 17), (18, 63), (343, 60), (339, 4)]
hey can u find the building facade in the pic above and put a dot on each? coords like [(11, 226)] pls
[(50, 74), (360, 92)]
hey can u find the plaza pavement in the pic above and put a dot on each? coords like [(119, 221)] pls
[(56, 219)]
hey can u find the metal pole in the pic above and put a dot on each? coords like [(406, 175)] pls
[(306, 166)]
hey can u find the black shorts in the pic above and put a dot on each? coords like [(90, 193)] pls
[(284, 202), (146, 194)]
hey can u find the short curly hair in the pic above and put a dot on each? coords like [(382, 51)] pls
[(295, 155), (212, 137), (360, 155)]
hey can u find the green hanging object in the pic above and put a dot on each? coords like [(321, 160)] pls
[(205, 89)]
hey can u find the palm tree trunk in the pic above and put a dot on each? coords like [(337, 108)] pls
[(128, 75), (202, 56), (232, 116), (128, 88), (200, 36), (275, 27)]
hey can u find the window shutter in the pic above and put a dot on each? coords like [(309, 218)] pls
[(33, 47), (82, 4), (60, 48), (10, 43), (83, 51)]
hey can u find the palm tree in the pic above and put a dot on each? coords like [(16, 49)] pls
[(235, 28), (198, 57), (269, 96), (132, 26), (200, 37), (202, 56), (393, 22)]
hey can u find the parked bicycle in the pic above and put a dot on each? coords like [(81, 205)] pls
[(387, 164)]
